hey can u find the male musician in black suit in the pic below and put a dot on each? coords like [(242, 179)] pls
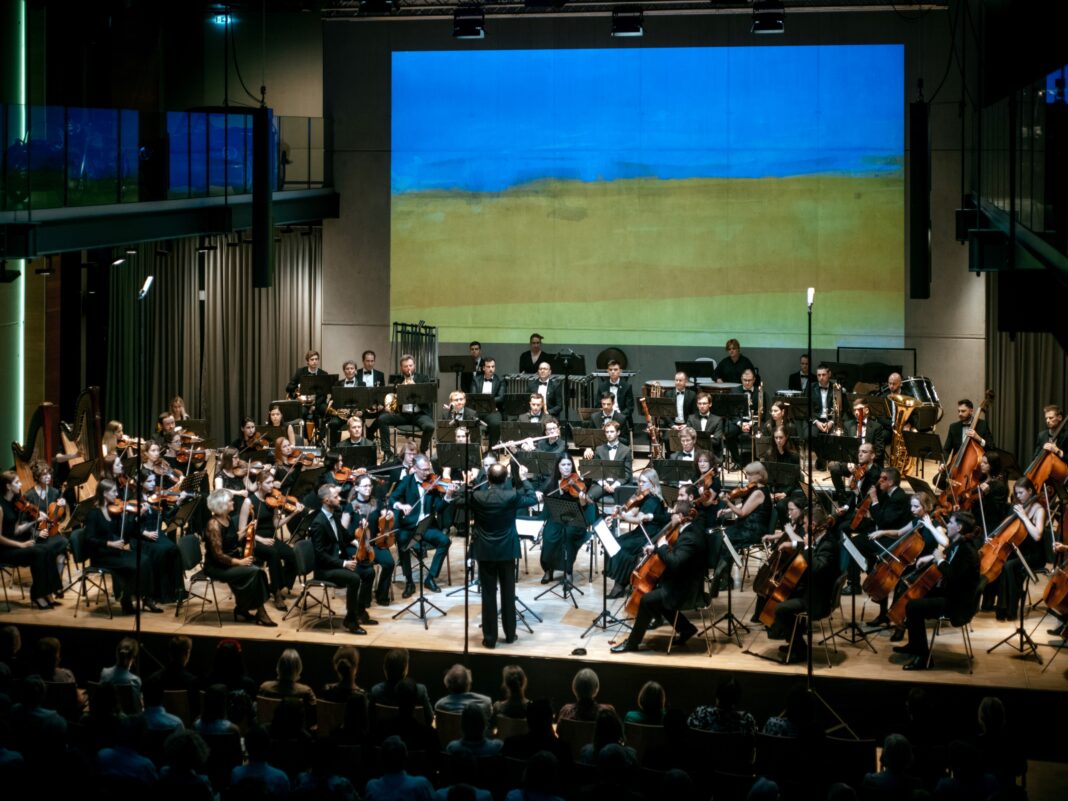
[(529, 360), (419, 509), (622, 392), (318, 407), (799, 381), (613, 451), (475, 349), (456, 411), (705, 422), (822, 573), (489, 383), (688, 441), (548, 388), (417, 415), (536, 410), (867, 428), (684, 397), (368, 376), (333, 564), (954, 597), (607, 412), (739, 426), (865, 476), (685, 564), (825, 397), (890, 510), (496, 546), (977, 430), (1050, 439), (730, 369)]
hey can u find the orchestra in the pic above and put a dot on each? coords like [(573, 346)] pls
[(916, 552)]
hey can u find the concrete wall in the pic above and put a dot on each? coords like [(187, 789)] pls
[(946, 331)]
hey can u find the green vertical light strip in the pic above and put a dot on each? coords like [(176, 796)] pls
[(20, 355)]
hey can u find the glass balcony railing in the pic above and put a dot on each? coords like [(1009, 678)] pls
[(55, 157)]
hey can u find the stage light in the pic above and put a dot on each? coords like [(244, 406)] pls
[(769, 16), (469, 23), (118, 260), (204, 246), (627, 22), (45, 270), (130, 250)]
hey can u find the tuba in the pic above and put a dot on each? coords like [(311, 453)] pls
[(899, 452)]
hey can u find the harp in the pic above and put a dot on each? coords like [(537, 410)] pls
[(43, 441), (83, 439)]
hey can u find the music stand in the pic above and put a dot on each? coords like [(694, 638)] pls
[(1026, 646), (415, 546), (195, 426), (588, 438), (515, 404), (460, 457), (838, 449), (512, 431), (455, 364), (732, 621), (80, 473), (695, 370), (609, 548), (731, 405), (564, 511), (357, 456), (537, 463), (80, 512), (417, 395), (318, 385), (852, 630), (921, 445), (290, 409), (676, 470), (363, 398), (272, 433), (307, 481), (445, 433), (781, 474), (661, 408)]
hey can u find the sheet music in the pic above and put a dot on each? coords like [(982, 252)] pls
[(730, 548), (604, 534), (529, 529), (858, 557)]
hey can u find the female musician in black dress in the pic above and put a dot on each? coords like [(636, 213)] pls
[(364, 509), (225, 560), (648, 517), (250, 444), (270, 550), (782, 451), (19, 546), (107, 529), (560, 542), (777, 418), (752, 518), (164, 559), (276, 420), (42, 495), (1011, 581), (706, 494), (287, 465)]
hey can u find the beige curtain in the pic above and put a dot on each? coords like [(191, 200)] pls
[(253, 339), (1027, 372)]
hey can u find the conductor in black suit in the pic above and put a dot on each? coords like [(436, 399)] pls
[(685, 565), (621, 390), (489, 383), (977, 430), (954, 597), (496, 546), (417, 415), (548, 388), (332, 562)]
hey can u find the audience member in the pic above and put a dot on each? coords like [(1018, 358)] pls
[(1000, 747), (395, 784), (258, 745), (228, 668), (122, 762), (615, 774), (584, 687), (46, 665), (894, 780), (121, 672), (763, 789), (287, 684), (346, 662), (416, 735), (798, 718), (725, 715), (395, 669), (156, 717), (473, 727), (540, 735), (186, 755), (463, 774), (355, 728), (213, 718), (541, 778), (969, 777), (458, 683), (607, 730), (652, 700), (175, 675), (514, 688)]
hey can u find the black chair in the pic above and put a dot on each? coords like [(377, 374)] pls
[(836, 601), (304, 553), (11, 572), (192, 558), (724, 751), (88, 576), (964, 626)]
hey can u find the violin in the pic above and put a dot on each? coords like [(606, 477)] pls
[(573, 485), (742, 491), (277, 500), (434, 482), (385, 529), (186, 454), (159, 497), (125, 441), (250, 538), (303, 458), (23, 506), (55, 518), (129, 507), (343, 475), (240, 468)]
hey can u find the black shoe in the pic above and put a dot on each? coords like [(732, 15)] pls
[(986, 608), (488, 644), (623, 647), (263, 619), (917, 663), (280, 605), (755, 618), (1058, 632), (42, 603), (898, 635), (409, 590), (510, 640), (906, 649), (353, 626), (547, 578), (617, 592), (430, 585), (382, 601), (682, 639), (656, 622), (880, 622), (240, 616), (1001, 614), (150, 606)]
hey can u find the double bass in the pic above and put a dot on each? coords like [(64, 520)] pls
[(651, 568), (964, 475)]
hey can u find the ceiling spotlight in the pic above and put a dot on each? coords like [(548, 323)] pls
[(469, 23), (118, 260), (627, 22), (769, 16), (130, 250)]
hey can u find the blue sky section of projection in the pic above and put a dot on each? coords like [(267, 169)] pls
[(487, 121)]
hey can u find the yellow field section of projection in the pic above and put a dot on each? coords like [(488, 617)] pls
[(647, 239), (575, 315)]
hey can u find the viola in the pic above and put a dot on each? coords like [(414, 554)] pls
[(343, 475), (277, 500), (187, 454), (573, 485), (240, 468), (124, 442), (647, 574), (55, 518), (386, 536)]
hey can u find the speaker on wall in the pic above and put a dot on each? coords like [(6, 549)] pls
[(919, 202)]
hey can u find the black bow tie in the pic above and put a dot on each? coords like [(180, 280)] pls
[(704, 416), (543, 383)]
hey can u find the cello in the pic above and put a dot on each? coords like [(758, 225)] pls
[(901, 555), (650, 569), (1002, 544), (784, 572), (964, 474), (917, 587)]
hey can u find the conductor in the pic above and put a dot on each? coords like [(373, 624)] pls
[(496, 546)]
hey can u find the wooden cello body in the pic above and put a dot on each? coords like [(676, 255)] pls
[(964, 474), (781, 581), (918, 587), (882, 579), (650, 569)]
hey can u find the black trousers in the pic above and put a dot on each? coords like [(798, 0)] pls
[(491, 574), (651, 604), (248, 583), (916, 614), (357, 583), (785, 615), (281, 564), (42, 564), (384, 559), (422, 421)]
